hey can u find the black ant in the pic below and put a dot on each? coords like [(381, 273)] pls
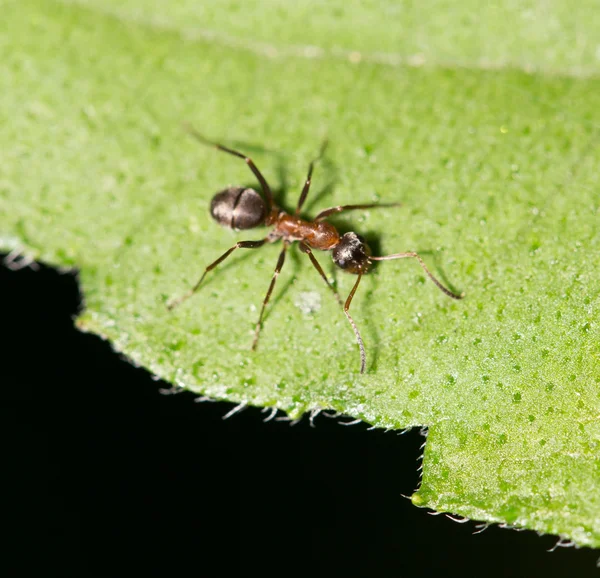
[(243, 208)]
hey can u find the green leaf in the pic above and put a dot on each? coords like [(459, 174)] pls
[(496, 167)]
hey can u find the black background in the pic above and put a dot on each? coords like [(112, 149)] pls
[(108, 477)]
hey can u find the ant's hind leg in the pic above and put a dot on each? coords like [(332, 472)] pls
[(263, 182), (239, 245), (278, 267)]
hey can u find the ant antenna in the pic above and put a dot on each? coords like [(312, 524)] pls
[(429, 273), (361, 345)]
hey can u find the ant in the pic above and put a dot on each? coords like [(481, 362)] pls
[(244, 208)]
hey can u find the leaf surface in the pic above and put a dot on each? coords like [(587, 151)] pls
[(497, 171)]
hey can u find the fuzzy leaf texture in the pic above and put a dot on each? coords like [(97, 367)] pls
[(483, 122)]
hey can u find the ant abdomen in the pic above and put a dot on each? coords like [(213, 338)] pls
[(238, 208)]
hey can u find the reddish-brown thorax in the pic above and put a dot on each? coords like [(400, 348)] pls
[(316, 234)]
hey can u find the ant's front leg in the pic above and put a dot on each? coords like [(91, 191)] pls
[(363, 357), (306, 249)]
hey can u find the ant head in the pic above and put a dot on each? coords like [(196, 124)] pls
[(238, 208), (352, 254)]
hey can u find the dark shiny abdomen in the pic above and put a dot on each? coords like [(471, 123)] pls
[(238, 208)]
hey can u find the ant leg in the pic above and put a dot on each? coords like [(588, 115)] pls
[(333, 210), (429, 273), (278, 267), (363, 356), (305, 189), (263, 183), (306, 249), (309, 178), (239, 245)]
